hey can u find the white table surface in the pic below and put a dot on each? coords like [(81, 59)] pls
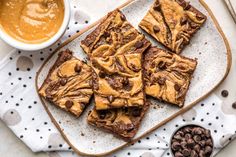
[(11, 146)]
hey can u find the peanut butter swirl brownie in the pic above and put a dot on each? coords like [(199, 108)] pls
[(167, 75), (115, 49), (68, 84), (172, 23), (123, 122)]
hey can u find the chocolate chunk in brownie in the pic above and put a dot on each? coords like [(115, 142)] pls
[(167, 75), (68, 84), (172, 23), (123, 122)]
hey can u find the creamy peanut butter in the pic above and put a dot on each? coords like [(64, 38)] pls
[(31, 21)]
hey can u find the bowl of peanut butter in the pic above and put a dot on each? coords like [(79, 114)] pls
[(32, 25)]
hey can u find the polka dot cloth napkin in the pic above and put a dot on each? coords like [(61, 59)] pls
[(23, 113)]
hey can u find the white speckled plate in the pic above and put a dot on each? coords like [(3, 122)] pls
[(209, 46)]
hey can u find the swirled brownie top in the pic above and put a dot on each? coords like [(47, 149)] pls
[(167, 76), (115, 49), (172, 23), (123, 122), (114, 36), (68, 84)]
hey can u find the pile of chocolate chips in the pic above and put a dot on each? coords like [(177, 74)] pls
[(192, 141)]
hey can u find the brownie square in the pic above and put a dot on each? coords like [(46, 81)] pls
[(172, 23), (167, 75), (122, 122), (68, 84), (115, 49)]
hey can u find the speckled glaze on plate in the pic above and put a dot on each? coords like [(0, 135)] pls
[(208, 45)]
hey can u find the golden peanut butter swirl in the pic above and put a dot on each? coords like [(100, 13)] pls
[(167, 75), (172, 23), (115, 49), (68, 84), (123, 122)]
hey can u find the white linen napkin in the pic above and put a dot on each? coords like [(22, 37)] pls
[(23, 113)]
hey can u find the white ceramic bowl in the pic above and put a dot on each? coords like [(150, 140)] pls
[(34, 47)]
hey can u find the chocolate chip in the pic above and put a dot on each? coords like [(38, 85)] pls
[(77, 68), (190, 143), (186, 152), (178, 137), (188, 136), (202, 143), (208, 150), (106, 34), (125, 81), (138, 44), (134, 67), (136, 112), (193, 154), (197, 138), (156, 29), (183, 20), (82, 106), (102, 114), (208, 133), (181, 133), (157, 6), (153, 65), (224, 93), (183, 144), (122, 17), (184, 4), (197, 131), (48, 93), (234, 105), (176, 146), (161, 65), (63, 81), (193, 25), (200, 17), (180, 1), (161, 81), (187, 130), (209, 142), (129, 127), (178, 154), (177, 87), (110, 98), (102, 74), (197, 148), (201, 153), (69, 104)]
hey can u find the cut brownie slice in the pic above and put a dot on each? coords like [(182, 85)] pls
[(172, 23), (118, 82), (115, 49), (167, 75), (123, 122), (68, 84), (114, 36)]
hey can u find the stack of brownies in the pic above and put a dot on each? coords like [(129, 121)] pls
[(123, 67)]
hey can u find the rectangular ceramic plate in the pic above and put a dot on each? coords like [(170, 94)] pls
[(208, 45)]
